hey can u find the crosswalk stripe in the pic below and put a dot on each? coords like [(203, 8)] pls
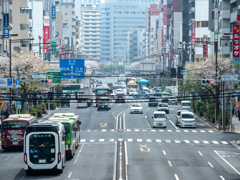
[(111, 140), (83, 140), (136, 129), (177, 141), (186, 131), (187, 141), (194, 131), (168, 141), (92, 140), (149, 140), (202, 131), (112, 130), (169, 130), (130, 140), (210, 131), (153, 130), (224, 142), (104, 130), (101, 140), (160, 130), (139, 140), (195, 141), (128, 129), (205, 142), (178, 131), (158, 140), (215, 142)]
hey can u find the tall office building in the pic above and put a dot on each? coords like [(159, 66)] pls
[(116, 21)]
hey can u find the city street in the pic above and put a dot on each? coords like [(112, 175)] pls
[(171, 153)]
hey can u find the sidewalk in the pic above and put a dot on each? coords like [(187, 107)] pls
[(236, 124)]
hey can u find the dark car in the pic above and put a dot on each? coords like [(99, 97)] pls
[(65, 101), (158, 92), (103, 106), (120, 98), (153, 102)]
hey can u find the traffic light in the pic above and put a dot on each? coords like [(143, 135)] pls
[(179, 74), (208, 81), (173, 72), (165, 74), (46, 81), (50, 95)]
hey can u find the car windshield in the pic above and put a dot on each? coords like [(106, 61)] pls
[(188, 116), (102, 104), (159, 116), (153, 100), (136, 105), (162, 105), (186, 104), (158, 91), (132, 90)]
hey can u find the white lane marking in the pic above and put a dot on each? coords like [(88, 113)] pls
[(147, 122), (205, 142), (144, 130), (145, 116), (194, 130), (69, 175), (115, 160), (101, 140), (136, 129), (158, 140), (153, 130), (88, 130), (224, 142), (161, 130), (187, 141), (177, 141), (210, 131), (186, 131), (176, 176), (196, 141), (202, 131), (123, 120), (169, 130), (200, 153), (149, 140), (78, 154), (173, 124), (104, 130), (120, 139), (111, 140), (164, 152), (120, 122), (92, 140), (128, 129), (222, 178), (215, 142), (139, 140), (178, 131), (130, 140), (83, 140), (210, 164), (168, 141), (227, 162), (170, 164)]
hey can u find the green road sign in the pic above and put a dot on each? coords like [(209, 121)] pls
[(70, 91), (53, 46), (46, 56), (54, 76)]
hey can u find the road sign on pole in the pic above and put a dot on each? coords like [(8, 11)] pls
[(75, 66), (6, 82), (38, 76), (229, 78), (184, 72), (55, 75), (18, 83)]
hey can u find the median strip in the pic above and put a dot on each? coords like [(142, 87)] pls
[(121, 161)]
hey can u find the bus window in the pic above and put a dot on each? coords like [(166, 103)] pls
[(42, 148)]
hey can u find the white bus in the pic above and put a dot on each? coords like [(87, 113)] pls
[(44, 147)]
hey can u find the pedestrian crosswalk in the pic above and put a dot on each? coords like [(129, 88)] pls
[(150, 130), (168, 141)]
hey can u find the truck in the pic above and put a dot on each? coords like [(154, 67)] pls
[(174, 90), (131, 84)]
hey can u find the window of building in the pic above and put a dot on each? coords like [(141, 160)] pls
[(66, 14), (202, 24), (125, 12), (66, 20)]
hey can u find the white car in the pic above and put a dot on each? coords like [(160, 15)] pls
[(119, 91), (81, 104), (132, 91), (145, 89), (159, 119), (136, 108), (187, 119)]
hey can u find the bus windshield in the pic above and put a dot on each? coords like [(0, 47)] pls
[(132, 86), (100, 91), (14, 125), (42, 148)]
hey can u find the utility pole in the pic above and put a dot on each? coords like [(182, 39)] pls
[(18, 89), (230, 100)]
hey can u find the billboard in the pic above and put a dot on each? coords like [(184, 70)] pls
[(46, 31), (235, 41)]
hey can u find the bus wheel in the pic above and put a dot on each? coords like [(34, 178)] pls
[(28, 173)]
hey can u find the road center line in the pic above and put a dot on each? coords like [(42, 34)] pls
[(176, 176), (126, 159), (173, 124), (170, 164), (200, 153), (124, 120), (115, 162), (164, 152), (210, 164), (78, 154), (227, 162), (69, 175), (222, 178)]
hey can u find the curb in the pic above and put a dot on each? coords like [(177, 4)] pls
[(234, 143), (211, 124)]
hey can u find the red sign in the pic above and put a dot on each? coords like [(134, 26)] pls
[(164, 15), (205, 47), (193, 34), (235, 41), (175, 61), (46, 37)]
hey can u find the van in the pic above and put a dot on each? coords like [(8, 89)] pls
[(44, 147), (186, 105), (159, 119)]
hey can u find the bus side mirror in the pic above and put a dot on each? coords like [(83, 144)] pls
[(79, 122), (65, 132)]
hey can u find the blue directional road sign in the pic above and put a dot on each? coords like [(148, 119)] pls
[(6, 82), (76, 68), (183, 72), (53, 12), (38, 76), (18, 82), (6, 20), (229, 78)]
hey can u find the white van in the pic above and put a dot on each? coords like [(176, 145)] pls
[(44, 147), (186, 105), (159, 119), (187, 119)]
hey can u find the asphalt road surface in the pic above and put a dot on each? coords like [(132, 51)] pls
[(171, 153)]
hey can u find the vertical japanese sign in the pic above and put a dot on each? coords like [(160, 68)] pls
[(193, 34), (53, 12), (235, 41), (175, 61), (205, 47), (164, 15), (46, 34)]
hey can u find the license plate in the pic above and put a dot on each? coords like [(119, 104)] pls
[(102, 106), (15, 143), (42, 160), (157, 125)]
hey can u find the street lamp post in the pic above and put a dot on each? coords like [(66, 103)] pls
[(39, 37)]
